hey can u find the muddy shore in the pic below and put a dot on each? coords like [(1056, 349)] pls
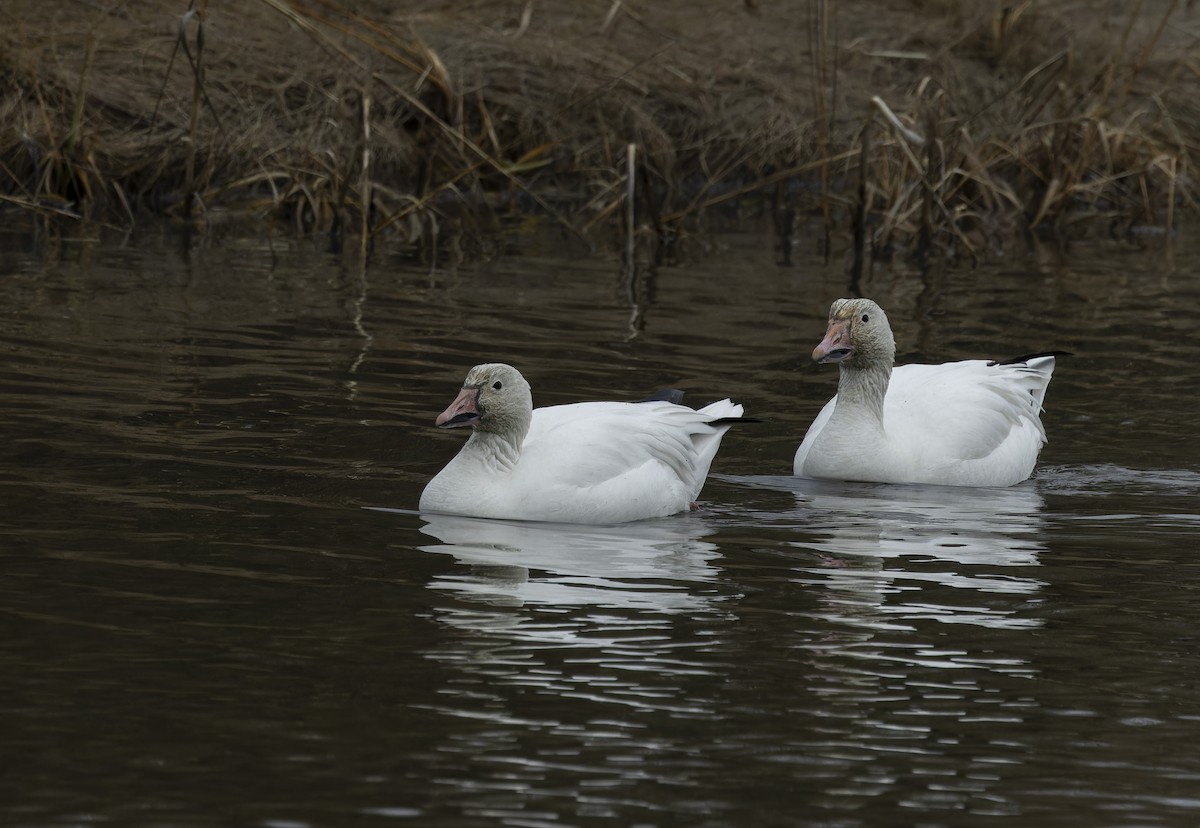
[(927, 126)]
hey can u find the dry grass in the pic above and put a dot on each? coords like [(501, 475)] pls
[(919, 127), (1092, 134)]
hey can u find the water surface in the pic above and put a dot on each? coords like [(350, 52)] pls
[(219, 607)]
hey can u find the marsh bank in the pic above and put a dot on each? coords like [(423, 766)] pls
[(948, 128)]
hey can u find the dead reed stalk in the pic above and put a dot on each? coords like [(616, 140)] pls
[(986, 127)]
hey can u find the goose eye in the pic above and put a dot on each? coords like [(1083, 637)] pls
[(497, 385), (866, 318)]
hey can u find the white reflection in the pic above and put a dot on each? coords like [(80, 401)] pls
[(610, 596), (893, 555), (648, 565), (979, 527)]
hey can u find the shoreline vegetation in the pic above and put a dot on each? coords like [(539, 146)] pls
[(929, 129)]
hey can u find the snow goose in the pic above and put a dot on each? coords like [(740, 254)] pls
[(970, 423), (590, 462)]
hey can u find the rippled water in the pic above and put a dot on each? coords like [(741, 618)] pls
[(220, 609)]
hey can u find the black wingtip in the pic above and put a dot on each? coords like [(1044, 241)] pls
[(1026, 357), (732, 420)]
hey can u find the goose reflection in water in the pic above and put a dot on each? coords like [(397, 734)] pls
[(896, 548), (891, 555), (663, 566), (590, 615)]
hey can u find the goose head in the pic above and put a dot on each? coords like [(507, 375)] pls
[(494, 398), (858, 336)]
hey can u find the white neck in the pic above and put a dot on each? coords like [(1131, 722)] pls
[(861, 390), (495, 451)]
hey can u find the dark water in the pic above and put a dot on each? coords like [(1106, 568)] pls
[(219, 609)]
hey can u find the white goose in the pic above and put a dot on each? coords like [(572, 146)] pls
[(970, 423), (591, 462)]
